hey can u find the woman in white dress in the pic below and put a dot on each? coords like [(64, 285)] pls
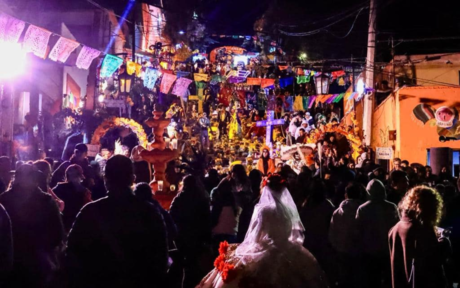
[(271, 254)]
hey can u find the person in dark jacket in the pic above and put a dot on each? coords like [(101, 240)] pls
[(80, 158), (255, 176), (143, 192), (190, 211), (416, 254), (38, 232), (118, 241), (316, 212), (374, 219), (6, 246), (73, 193), (343, 235), (212, 180)]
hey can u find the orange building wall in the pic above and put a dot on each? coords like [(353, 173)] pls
[(413, 139), (416, 139), (383, 121)]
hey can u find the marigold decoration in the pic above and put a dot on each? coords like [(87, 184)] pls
[(352, 135), (227, 270), (117, 122)]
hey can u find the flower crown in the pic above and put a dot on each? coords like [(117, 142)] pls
[(271, 177)]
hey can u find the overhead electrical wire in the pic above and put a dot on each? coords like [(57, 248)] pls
[(351, 28), (316, 31)]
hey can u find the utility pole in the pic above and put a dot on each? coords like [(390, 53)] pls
[(393, 62), (368, 99), (134, 33)]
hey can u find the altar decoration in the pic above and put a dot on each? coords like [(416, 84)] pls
[(351, 134), (117, 122)]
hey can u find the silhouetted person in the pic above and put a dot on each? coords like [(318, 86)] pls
[(73, 193), (79, 157), (191, 214), (117, 241), (374, 220), (6, 246), (37, 228), (143, 192)]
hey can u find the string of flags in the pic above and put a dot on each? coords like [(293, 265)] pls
[(37, 39)]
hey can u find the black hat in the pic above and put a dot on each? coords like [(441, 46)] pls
[(80, 147)]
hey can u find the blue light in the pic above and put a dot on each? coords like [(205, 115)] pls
[(181, 32), (120, 23)]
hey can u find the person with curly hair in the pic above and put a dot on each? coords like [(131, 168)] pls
[(416, 253)]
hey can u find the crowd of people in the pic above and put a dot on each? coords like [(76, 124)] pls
[(73, 224)]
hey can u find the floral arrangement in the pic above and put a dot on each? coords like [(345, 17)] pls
[(271, 177), (351, 135), (116, 122), (228, 271)]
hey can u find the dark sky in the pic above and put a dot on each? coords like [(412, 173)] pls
[(398, 18)]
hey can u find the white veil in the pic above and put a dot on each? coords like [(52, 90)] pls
[(274, 223)]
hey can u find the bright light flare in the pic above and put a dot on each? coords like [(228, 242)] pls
[(101, 98), (360, 87), (12, 60)]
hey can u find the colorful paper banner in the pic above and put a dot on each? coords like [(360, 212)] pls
[(312, 100), (254, 81), (302, 79), (110, 64), (86, 57), (180, 74), (36, 40), (150, 77), (267, 83), (339, 97), (133, 67), (166, 82), (181, 87), (62, 49), (10, 28), (200, 77), (284, 82)]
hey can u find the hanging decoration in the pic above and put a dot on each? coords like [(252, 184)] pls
[(86, 57), (36, 40), (150, 77), (284, 82), (181, 86), (200, 77), (133, 68), (62, 49), (181, 74), (254, 81), (10, 28), (110, 64), (267, 83), (166, 82)]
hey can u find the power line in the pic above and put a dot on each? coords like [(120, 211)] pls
[(351, 28), (316, 31), (423, 39)]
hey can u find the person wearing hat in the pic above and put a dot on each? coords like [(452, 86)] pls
[(309, 119), (265, 164), (79, 157), (73, 193), (296, 121), (305, 128)]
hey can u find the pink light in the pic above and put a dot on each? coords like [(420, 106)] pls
[(12, 60)]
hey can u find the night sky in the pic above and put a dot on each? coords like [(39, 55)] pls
[(406, 19)]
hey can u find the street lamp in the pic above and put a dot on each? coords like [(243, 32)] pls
[(322, 84), (125, 81)]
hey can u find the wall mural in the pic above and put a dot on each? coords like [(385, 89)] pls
[(444, 118)]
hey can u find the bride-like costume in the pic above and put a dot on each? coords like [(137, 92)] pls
[(271, 254)]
